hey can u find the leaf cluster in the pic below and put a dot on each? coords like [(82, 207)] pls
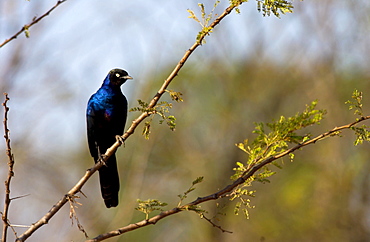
[(162, 109), (205, 20), (275, 137), (243, 205), (274, 6), (149, 206), (272, 138), (362, 133), (356, 103)]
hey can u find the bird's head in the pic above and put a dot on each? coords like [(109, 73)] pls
[(117, 77)]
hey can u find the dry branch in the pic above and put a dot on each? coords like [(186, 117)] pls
[(10, 170)]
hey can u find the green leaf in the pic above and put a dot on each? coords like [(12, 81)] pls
[(146, 129), (26, 31), (198, 180)]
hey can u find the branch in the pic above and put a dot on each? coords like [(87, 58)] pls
[(225, 191), (10, 170), (34, 21)]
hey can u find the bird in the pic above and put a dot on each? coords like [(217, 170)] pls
[(106, 117)]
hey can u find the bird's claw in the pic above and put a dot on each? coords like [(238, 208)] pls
[(120, 139), (102, 158)]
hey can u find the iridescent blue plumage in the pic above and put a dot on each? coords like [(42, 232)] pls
[(106, 117)]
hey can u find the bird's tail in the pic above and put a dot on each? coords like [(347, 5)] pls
[(109, 182)]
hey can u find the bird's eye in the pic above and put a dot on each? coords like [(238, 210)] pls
[(117, 75)]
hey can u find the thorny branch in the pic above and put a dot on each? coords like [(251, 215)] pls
[(45, 219), (34, 21), (10, 170), (228, 189)]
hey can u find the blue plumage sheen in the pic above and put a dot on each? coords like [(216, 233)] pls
[(106, 117)]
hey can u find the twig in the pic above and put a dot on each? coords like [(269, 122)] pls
[(34, 21), (10, 170), (19, 226), (225, 190), (14, 198), (215, 225), (73, 214)]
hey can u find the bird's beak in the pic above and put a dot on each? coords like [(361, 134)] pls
[(128, 77)]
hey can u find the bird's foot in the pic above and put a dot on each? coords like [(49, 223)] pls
[(120, 139), (102, 159)]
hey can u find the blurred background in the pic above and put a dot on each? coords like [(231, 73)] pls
[(252, 69)]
